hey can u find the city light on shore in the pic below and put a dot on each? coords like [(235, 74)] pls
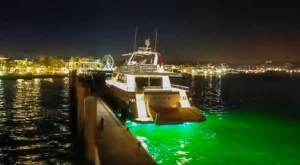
[(52, 66), (221, 69)]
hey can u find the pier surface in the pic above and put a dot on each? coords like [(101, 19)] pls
[(116, 145)]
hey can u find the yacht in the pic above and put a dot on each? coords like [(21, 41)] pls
[(143, 88)]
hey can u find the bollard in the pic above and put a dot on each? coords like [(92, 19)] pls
[(101, 125)]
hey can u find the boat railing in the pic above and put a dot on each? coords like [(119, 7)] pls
[(157, 88), (147, 68), (121, 86), (180, 87), (128, 68), (139, 68)]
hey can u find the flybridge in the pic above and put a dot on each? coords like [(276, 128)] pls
[(144, 61), (144, 51), (144, 56)]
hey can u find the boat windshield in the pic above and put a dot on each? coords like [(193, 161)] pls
[(123, 61), (143, 59)]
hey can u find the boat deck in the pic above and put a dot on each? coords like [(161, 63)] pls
[(151, 74), (177, 115)]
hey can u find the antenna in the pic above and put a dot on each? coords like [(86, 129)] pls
[(155, 40), (147, 43), (135, 35)]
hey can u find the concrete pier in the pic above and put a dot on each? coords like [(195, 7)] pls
[(99, 136), (78, 142), (90, 127), (116, 145)]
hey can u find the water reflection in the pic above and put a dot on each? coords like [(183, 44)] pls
[(2, 103), (208, 93), (230, 135), (27, 95), (35, 122), (175, 145), (183, 156)]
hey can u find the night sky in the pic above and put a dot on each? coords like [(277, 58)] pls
[(217, 31)]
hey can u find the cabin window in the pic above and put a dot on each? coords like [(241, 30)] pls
[(114, 75), (121, 78), (143, 59), (160, 98), (142, 82)]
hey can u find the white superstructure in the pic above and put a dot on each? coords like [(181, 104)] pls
[(145, 86)]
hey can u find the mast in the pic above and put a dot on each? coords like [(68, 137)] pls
[(155, 40), (135, 35)]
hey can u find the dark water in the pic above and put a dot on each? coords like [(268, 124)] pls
[(250, 120), (34, 122)]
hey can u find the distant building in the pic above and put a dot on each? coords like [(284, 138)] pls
[(84, 64), (268, 62)]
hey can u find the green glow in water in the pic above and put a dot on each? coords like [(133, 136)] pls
[(225, 138)]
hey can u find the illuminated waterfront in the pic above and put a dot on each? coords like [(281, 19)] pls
[(34, 121), (250, 120), (48, 65)]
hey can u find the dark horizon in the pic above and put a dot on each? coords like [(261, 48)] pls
[(297, 63), (240, 32)]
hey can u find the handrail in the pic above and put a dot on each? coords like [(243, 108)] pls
[(140, 67), (148, 109), (180, 87), (126, 88), (157, 88), (121, 86)]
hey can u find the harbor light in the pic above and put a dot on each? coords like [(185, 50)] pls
[(28, 69), (37, 70), (65, 70)]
